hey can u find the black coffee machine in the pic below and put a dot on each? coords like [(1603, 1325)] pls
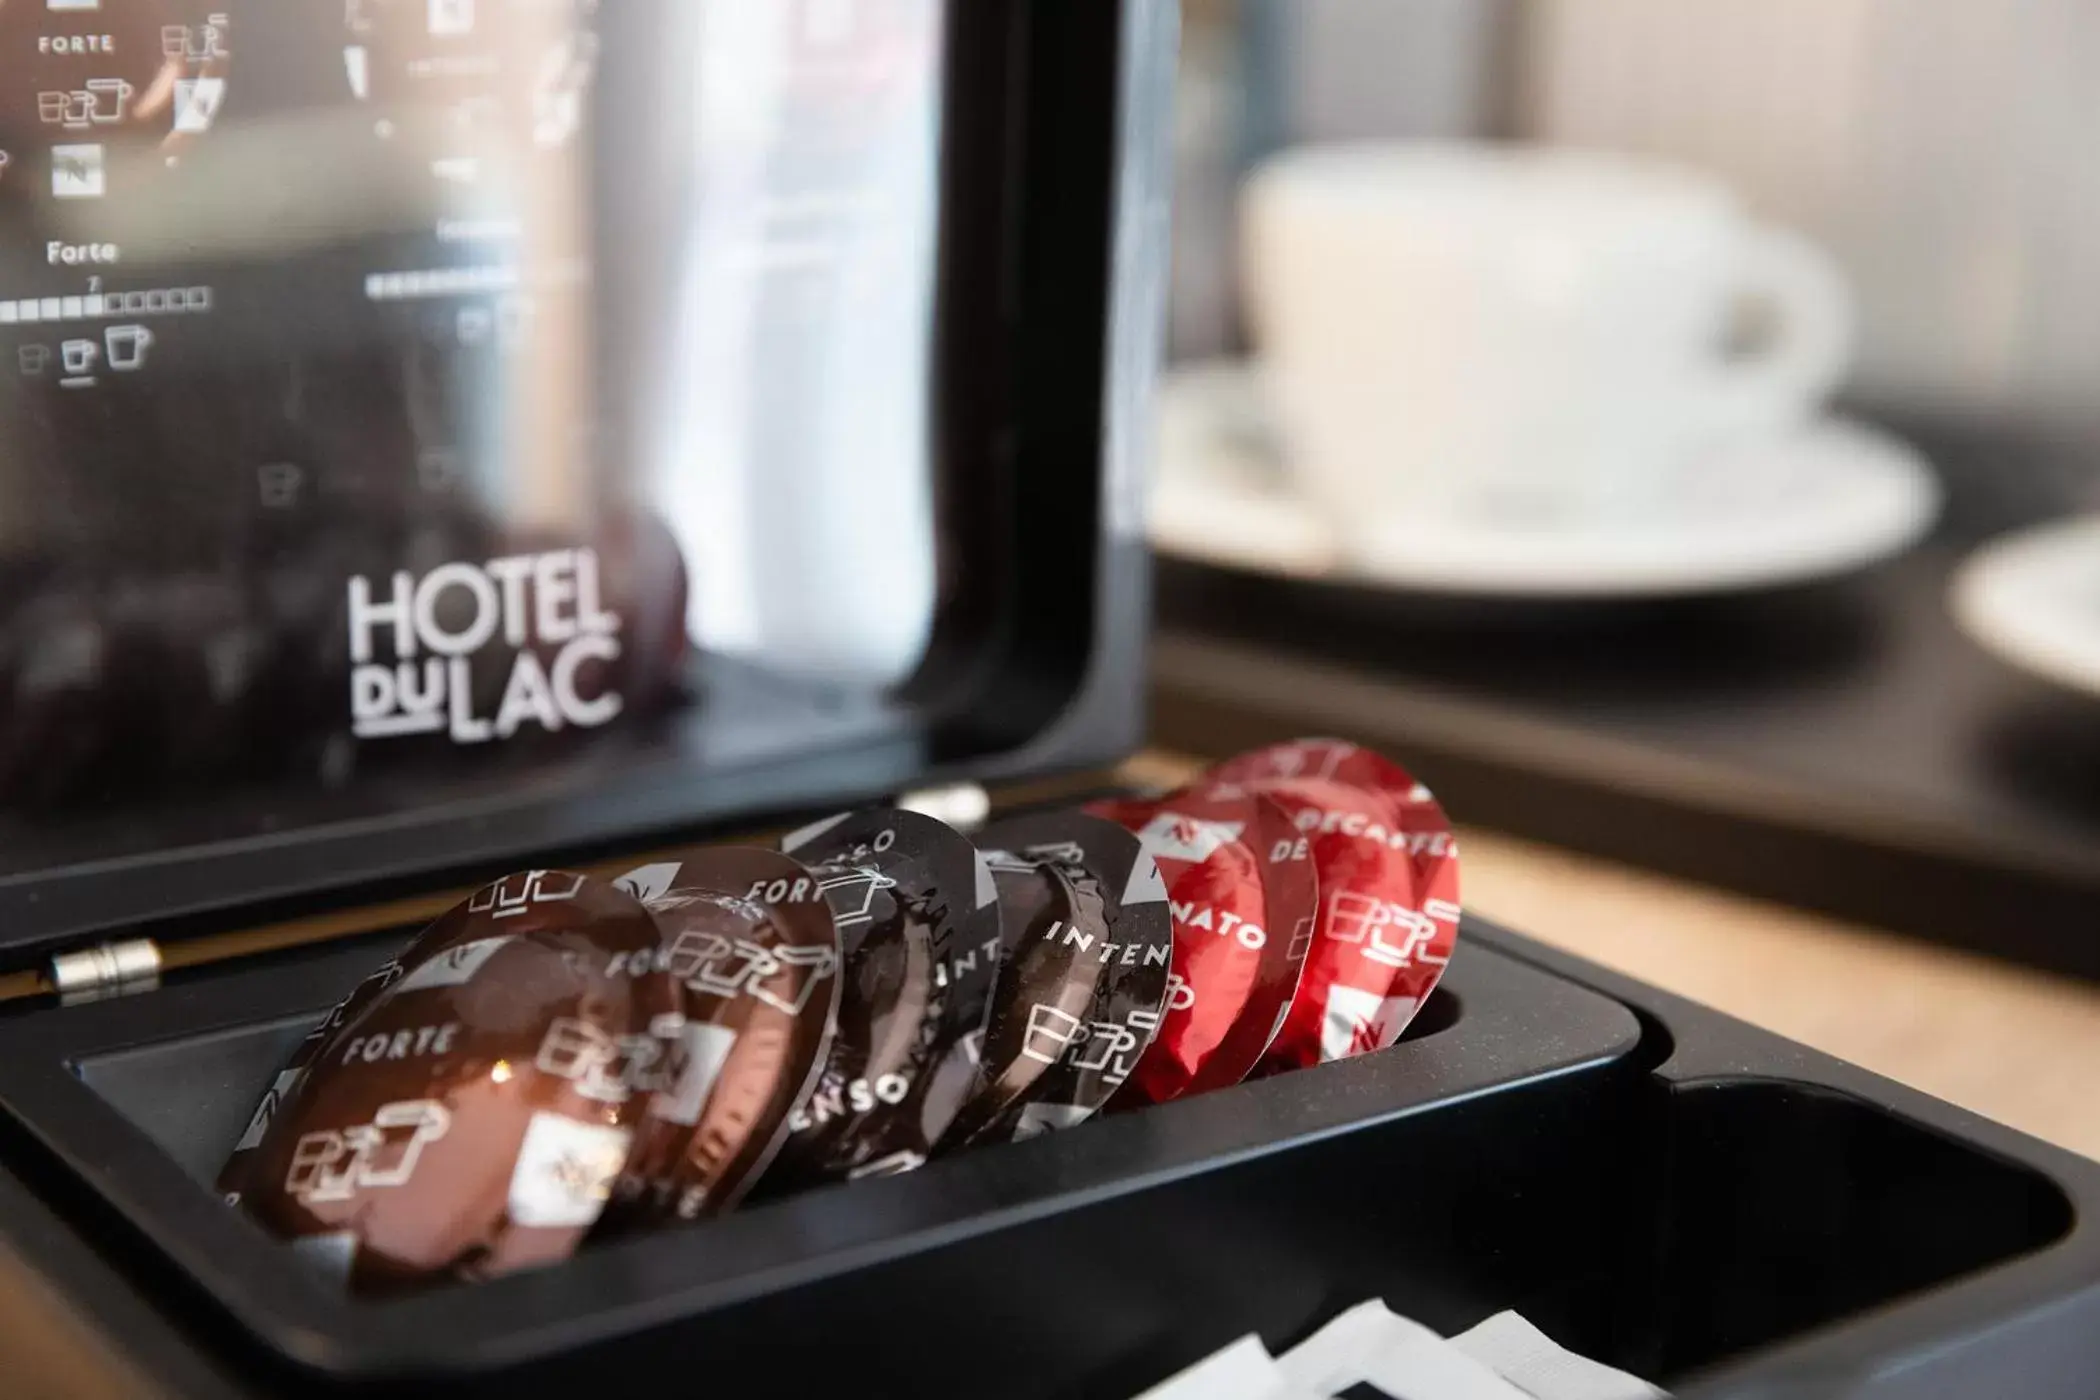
[(445, 435)]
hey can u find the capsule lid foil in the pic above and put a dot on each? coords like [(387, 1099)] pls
[(1242, 895), (472, 1118), (906, 892), (1118, 947), (1388, 870), (1042, 977), (749, 940)]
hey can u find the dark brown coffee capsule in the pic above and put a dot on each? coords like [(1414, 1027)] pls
[(748, 936), (1045, 980), (973, 974), (897, 880), (888, 1013), (471, 1121), (1118, 947), (1134, 956)]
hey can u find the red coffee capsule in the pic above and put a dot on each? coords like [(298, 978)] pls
[(1044, 974), (1241, 892), (1388, 880), (471, 1121), (1328, 760), (1292, 879), (1129, 948), (749, 938), (904, 890)]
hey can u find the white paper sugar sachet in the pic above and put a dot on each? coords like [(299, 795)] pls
[(1242, 1371), (1543, 1368), (1370, 1346)]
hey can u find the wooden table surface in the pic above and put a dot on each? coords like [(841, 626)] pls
[(2019, 1046)]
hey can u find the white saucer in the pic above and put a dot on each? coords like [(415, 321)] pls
[(2033, 599), (1830, 499)]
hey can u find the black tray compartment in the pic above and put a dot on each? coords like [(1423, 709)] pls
[(1825, 1231), (1652, 1183), (138, 1101)]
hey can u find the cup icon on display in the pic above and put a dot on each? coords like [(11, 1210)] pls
[(116, 90), (128, 346), (79, 356)]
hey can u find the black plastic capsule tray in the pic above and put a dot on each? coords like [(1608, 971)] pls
[(1653, 1184)]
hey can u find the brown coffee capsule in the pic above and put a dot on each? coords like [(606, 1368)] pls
[(1045, 979), (471, 1121), (748, 935), (458, 941), (1132, 956), (888, 1013), (973, 976), (905, 891), (233, 1177)]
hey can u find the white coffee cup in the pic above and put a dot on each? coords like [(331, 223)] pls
[(1523, 333)]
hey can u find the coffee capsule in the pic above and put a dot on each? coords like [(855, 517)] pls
[(1291, 880), (233, 1176), (1125, 952), (882, 1045), (1388, 877), (896, 880), (972, 975), (748, 937), (1045, 981), (453, 943), (1241, 891), (472, 1120), (1328, 760)]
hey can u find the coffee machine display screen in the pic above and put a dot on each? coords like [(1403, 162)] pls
[(410, 404)]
